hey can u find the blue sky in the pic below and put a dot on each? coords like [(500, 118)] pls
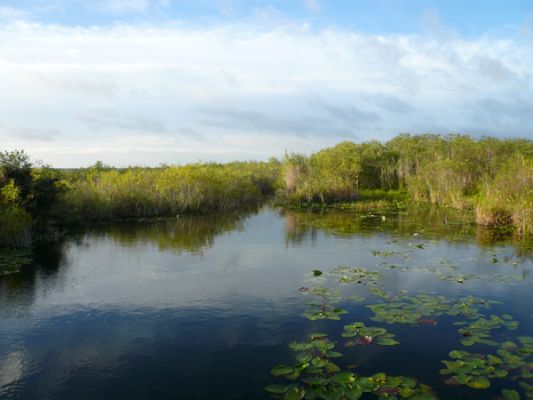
[(472, 17), (163, 81)]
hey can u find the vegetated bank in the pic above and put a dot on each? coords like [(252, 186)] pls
[(103, 193), (491, 177), (37, 202)]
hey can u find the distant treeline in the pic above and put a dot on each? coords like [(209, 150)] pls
[(493, 177)]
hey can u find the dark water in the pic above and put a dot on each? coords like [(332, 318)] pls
[(204, 307)]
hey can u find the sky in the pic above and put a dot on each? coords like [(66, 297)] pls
[(146, 82)]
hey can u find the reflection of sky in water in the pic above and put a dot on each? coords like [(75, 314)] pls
[(131, 303)]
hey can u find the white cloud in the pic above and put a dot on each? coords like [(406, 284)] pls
[(128, 94)]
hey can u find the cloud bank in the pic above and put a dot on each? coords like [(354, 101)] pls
[(130, 94)]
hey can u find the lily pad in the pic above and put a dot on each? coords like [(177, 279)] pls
[(510, 394)]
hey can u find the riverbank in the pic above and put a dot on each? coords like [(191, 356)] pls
[(490, 177)]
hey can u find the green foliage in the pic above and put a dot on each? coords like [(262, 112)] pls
[(15, 226), (29, 198), (508, 198), (493, 176), (328, 176), (316, 376), (103, 193)]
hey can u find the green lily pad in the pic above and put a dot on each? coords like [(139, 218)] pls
[(478, 382), (294, 394), (277, 389), (344, 377), (280, 370), (510, 394)]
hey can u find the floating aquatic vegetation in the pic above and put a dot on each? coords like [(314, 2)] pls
[(399, 254), (355, 298), (357, 275), (395, 313), (473, 370), (317, 272), (410, 310), (479, 331), (324, 294), (395, 267), (527, 342), (379, 292), (510, 394), (502, 278), (518, 358), (364, 335), (527, 388), (324, 311), (315, 376), (391, 387), (470, 306), (459, 278), (11, 261)]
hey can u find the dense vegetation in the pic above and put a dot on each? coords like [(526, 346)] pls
[(30, 199), (32, 195), (492, 177), (102, 193)]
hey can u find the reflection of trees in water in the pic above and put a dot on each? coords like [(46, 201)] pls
[(421, 223), (17, 291), (187, 233), (49, 266), (296, 231)]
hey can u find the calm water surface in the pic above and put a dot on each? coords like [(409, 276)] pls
[(204, 307)]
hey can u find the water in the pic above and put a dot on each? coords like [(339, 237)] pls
[(204, 307)]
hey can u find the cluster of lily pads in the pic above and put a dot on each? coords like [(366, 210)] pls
[(365, 335), (420, 308), (315, 376), (518, 361), (399, 254), (447, 271), (479, 331), (473, 370), (477, 370), (357, 275), (324, 311), (322, 304)]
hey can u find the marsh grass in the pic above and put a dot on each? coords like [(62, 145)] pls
[(105, 194), (492, 177)]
